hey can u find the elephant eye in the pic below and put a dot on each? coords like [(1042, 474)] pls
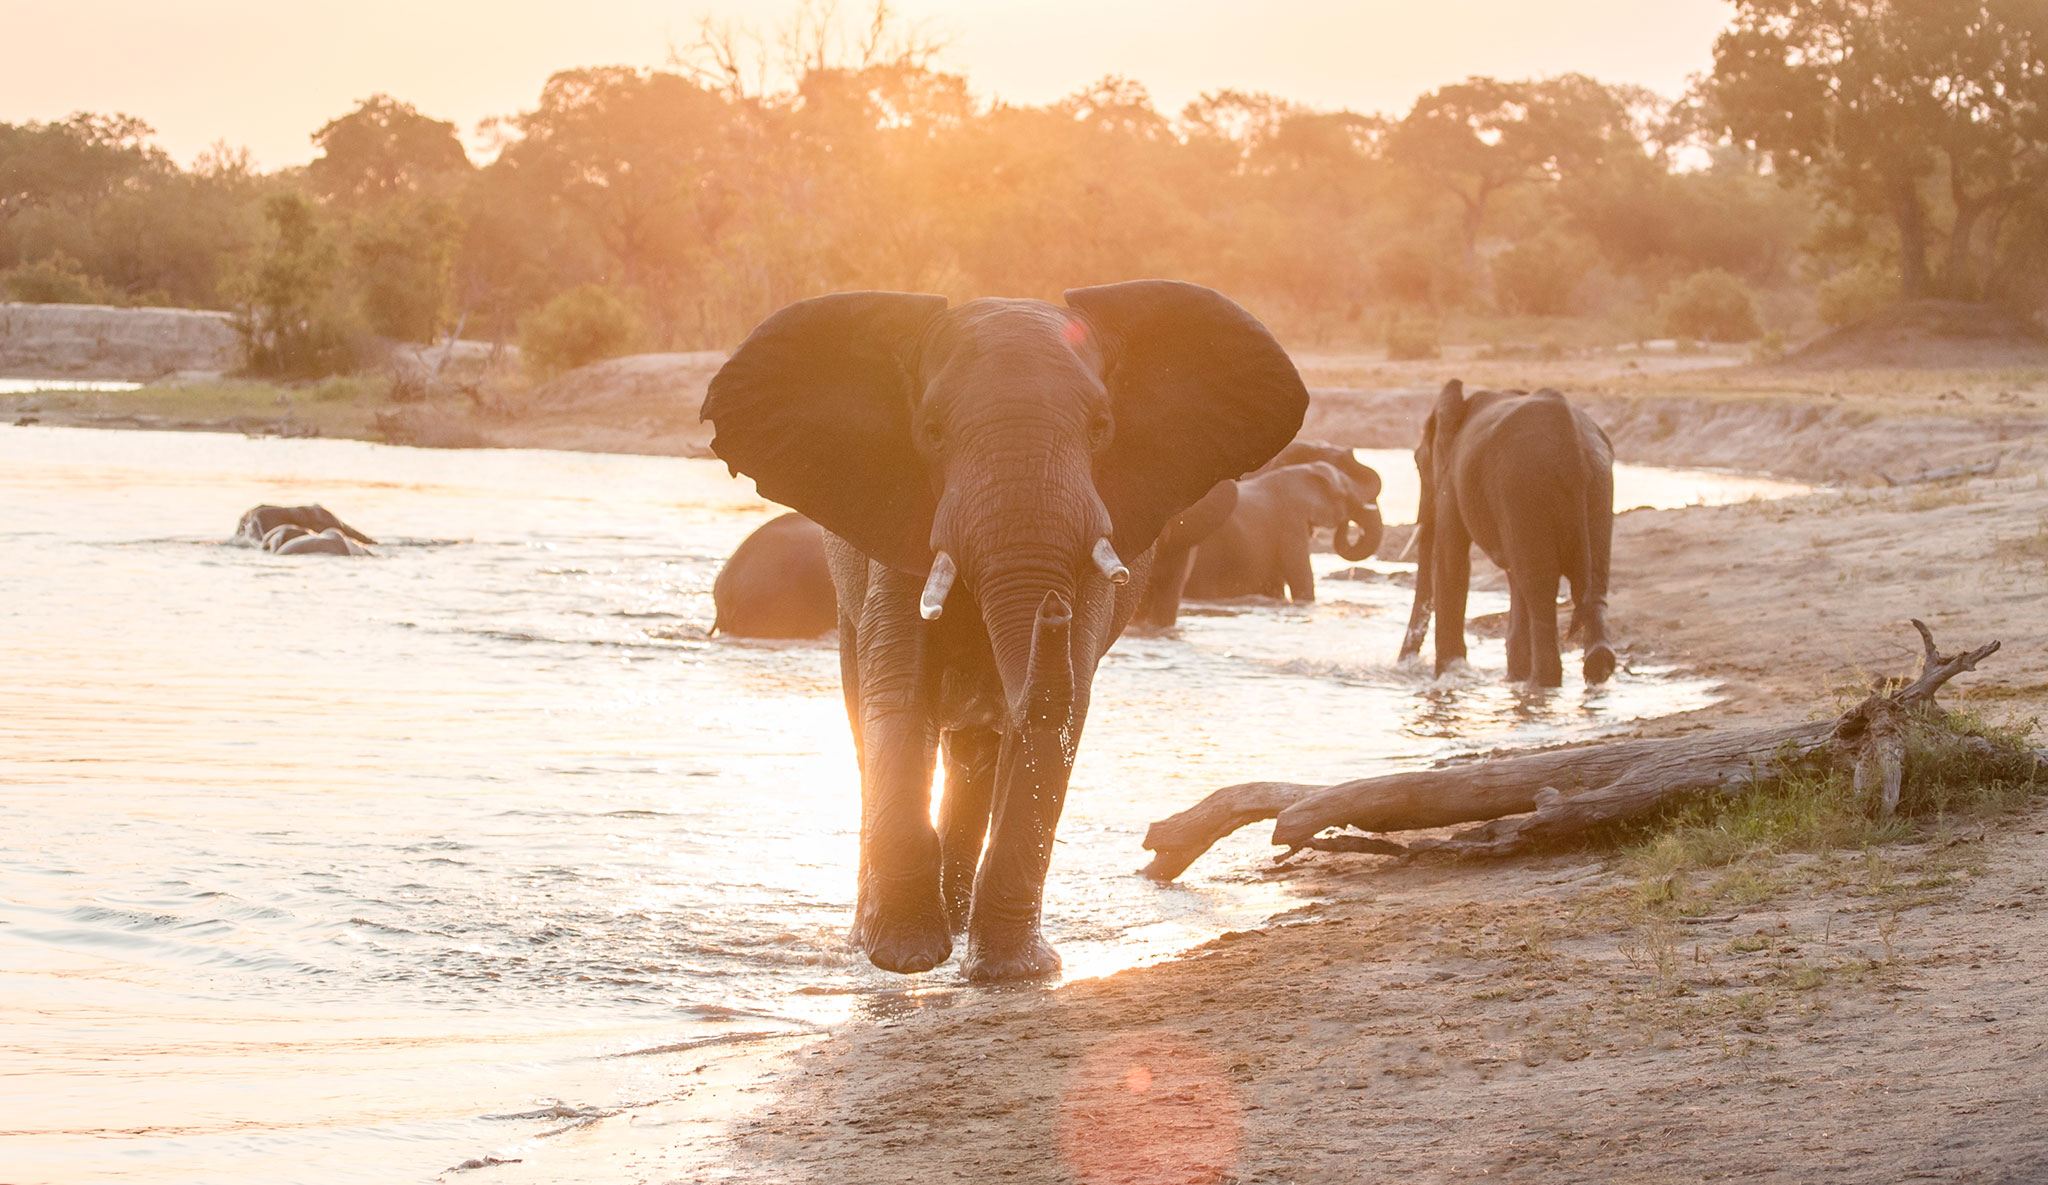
[(1099, 430), (934, 435)]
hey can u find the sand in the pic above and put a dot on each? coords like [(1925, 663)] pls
[(1519, 1020)]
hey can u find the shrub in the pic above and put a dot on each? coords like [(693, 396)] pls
[(1857, 294), (54, 279), (1541, 275), (1711, 305), (293, 320), (1411, 341), (575, 329)]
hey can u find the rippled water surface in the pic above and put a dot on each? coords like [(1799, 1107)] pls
[(321, 869)]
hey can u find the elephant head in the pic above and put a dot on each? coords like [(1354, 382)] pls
[(1364, 511), (1017, 447)]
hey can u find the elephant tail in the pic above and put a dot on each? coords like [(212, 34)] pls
[(1576, 560)]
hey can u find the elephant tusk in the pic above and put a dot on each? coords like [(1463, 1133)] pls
[(1372, 506), (936, 586), (1106, 561)]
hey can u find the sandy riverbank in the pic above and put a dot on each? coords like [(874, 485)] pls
[(1876, 1017)]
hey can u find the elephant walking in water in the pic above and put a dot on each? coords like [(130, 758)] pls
[(1263, 549), (991, 478), (1530, 479), (777, 584)]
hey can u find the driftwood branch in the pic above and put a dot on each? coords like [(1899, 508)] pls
[(1528, 799)]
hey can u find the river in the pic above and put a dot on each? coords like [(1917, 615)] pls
[(328, 870)]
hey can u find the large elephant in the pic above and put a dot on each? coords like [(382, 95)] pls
[(1530, 479), (1173, 557), (991, 479), (260, 521), (777, 584), (1263, 549)]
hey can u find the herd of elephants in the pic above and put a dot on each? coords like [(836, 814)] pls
[(986, 495)]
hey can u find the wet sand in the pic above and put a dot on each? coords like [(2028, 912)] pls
[(1441, 1021)]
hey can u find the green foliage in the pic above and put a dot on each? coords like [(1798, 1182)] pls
[(403, 257), (1857, 293), (1540, 276), (385, 149), (1931, 114), (1711, 306), (1960, 770), (56, 279), (292, 320), (581, 326)]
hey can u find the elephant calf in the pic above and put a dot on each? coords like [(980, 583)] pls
[(1530, 479), (1263, 548), (777, 583)]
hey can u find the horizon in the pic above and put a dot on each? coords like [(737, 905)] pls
[(127, 58)]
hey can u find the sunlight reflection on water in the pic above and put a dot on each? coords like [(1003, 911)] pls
[(353, 870)]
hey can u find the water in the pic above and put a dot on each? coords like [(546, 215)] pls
[(30, 386), (355, 870)]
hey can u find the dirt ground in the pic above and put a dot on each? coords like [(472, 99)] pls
[(1883, 1018)]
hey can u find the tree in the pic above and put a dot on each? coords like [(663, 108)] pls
[(1479, 137), (1931, 114), (384, 149), (291, 318)]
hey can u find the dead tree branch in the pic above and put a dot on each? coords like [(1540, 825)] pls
[(1529, 799)]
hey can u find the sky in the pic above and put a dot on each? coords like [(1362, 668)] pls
[(263, 74)]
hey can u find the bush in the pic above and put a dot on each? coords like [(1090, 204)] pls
[(575, 329), (54, 279), (292, 318), (1713, 306), (1411, 341), (1541, 275), (1857, 294)]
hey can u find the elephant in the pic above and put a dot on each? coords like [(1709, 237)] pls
[(777, 583), (1264, 547), (1173, 557), (991, 479), (261, 520), (1530, 479), (292, 539)]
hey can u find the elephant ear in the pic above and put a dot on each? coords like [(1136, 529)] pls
[(1199, 392), (815, 406)]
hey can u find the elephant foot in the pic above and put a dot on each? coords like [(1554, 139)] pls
[(1599, 663), (1010, 956), (905, 940)]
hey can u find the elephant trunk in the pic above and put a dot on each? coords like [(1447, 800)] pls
[(1048, 700), (1366, 543)]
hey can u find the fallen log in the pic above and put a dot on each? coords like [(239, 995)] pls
[(1527, 799)]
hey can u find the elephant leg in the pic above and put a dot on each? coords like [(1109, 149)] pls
[(1450, 579), (1589, 604), (1004, 939), (1298, 572), (1518, 630), (963, 816), (1532, 580), (900, 919)]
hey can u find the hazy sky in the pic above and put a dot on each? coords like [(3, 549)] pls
[(264, 73)]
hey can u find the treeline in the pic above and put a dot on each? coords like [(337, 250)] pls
[(1859, 149)]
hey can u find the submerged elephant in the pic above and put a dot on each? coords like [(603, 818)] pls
[(1173, 557), (292, 539), (1530, 479), (1263, 549), (261, 520), (777, 584), (991, 479)]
